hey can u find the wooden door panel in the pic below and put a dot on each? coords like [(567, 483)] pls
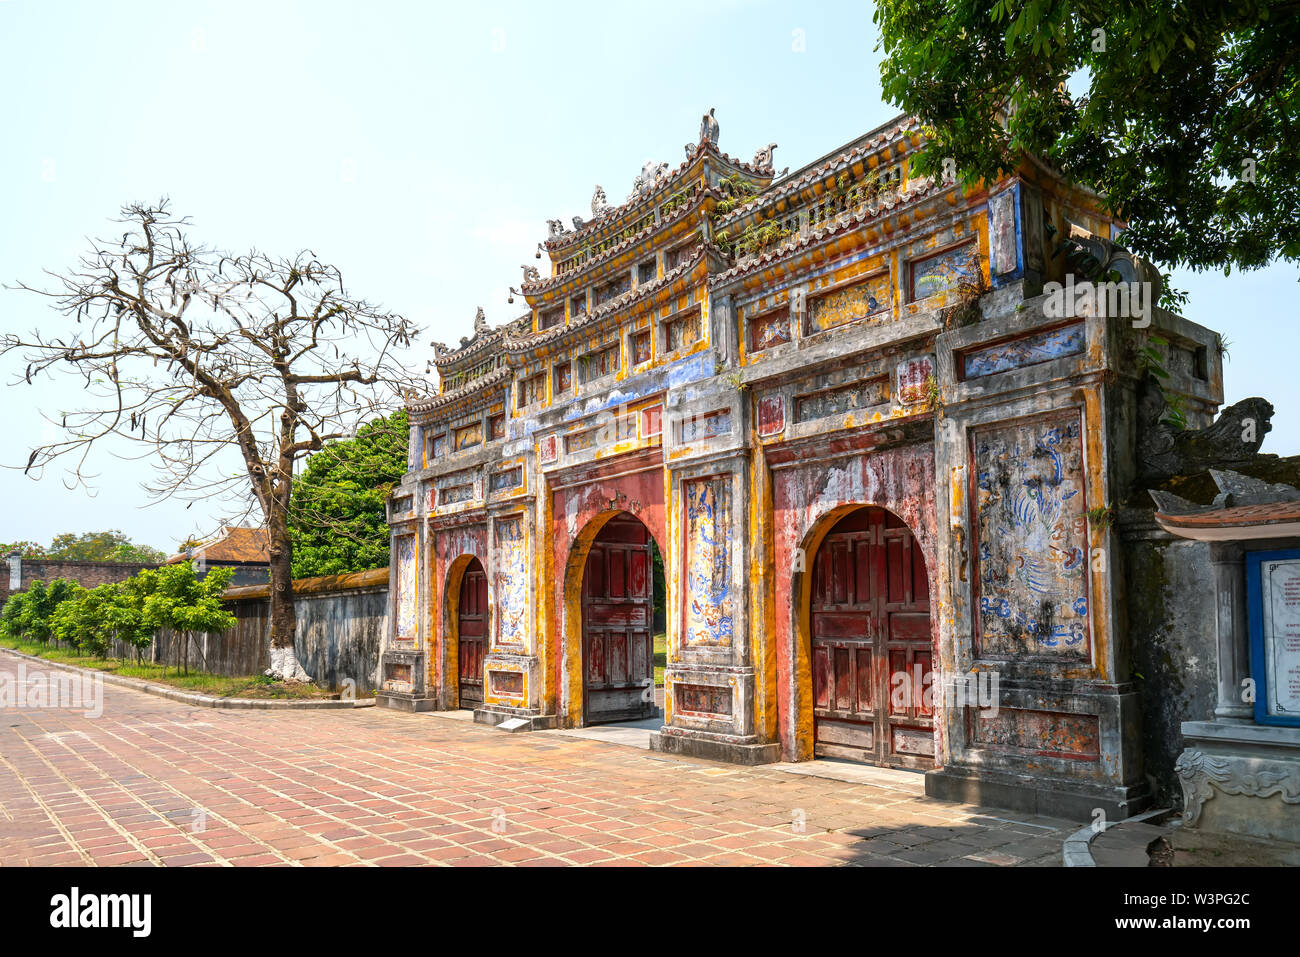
[(870, 622), (471, 634), (618, 652)]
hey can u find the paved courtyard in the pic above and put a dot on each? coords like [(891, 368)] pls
[(155, 782)]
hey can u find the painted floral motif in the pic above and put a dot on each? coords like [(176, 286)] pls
[(511, 582), (708, 566), (406, 577), (1033, 534)]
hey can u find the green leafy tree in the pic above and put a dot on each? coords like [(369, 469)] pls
[(33, 608), (11, 616), (336, 516), (1187, 126), (175, 597), (109, 546)]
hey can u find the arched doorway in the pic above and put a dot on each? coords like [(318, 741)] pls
[(617, 624), (872, 654), (471, 634)]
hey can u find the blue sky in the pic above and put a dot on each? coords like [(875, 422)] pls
[(421, 148)]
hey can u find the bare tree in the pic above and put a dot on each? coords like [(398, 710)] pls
[(196, 355)]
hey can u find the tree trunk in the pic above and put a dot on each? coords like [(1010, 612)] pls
[(284, 661)]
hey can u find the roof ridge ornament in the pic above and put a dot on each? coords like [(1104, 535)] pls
[(709, 129)]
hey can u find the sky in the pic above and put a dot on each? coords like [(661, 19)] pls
[(420, 147)]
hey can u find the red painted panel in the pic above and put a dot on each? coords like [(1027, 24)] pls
[(616, 610), (472, 634)]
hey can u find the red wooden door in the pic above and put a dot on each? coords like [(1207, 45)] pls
[(617, 611), (472, 637), (871, 644)]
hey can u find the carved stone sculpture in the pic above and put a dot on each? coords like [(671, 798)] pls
[(531, 274), (480, 322), (1201, 774), (598, 202), (1233, 438), (554, 227)]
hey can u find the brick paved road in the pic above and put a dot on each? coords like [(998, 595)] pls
[(157, 782)]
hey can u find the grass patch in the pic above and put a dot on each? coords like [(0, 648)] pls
[(660, 658), (196, 682)]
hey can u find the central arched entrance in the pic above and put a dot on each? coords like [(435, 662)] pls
[(872, 654), (618, 624), (471, 634)]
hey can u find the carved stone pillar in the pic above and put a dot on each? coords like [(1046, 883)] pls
[(1233, 644)]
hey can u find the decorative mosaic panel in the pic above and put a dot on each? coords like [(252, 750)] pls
[(497, 427), (1002, 232), (860, 395), (456, 493), (600, 364), (406, 580), (771, 415), (1046, 733), (468, 437), (548, 450), (563, 378), (532, 389), (506, 478), (706, 426), (511, 581), (913, 379), (614, 288), (942, 272), (709, 532), (506, 684), (1032, 349), (438, 447), (581, 441), (652, 421), (683, 332), (1032, 538), (712, 701), (858, 301), (769, 330)]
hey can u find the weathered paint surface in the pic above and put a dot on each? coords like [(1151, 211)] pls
[(741, 403), (578, 515), (1032, 538), (807, 501), (708, 601)]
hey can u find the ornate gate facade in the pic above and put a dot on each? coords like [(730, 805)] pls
[(737, 359)]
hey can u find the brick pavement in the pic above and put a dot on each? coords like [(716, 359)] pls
[(155, 782)]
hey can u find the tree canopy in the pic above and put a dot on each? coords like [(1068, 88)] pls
[(1187, 125), (222, 370), (336, 515), (109, 546)]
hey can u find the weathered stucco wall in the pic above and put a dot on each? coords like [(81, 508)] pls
[(1171, 622), (338, 635)]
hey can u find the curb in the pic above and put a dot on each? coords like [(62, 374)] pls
[(1077, 851), (198, 700)]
